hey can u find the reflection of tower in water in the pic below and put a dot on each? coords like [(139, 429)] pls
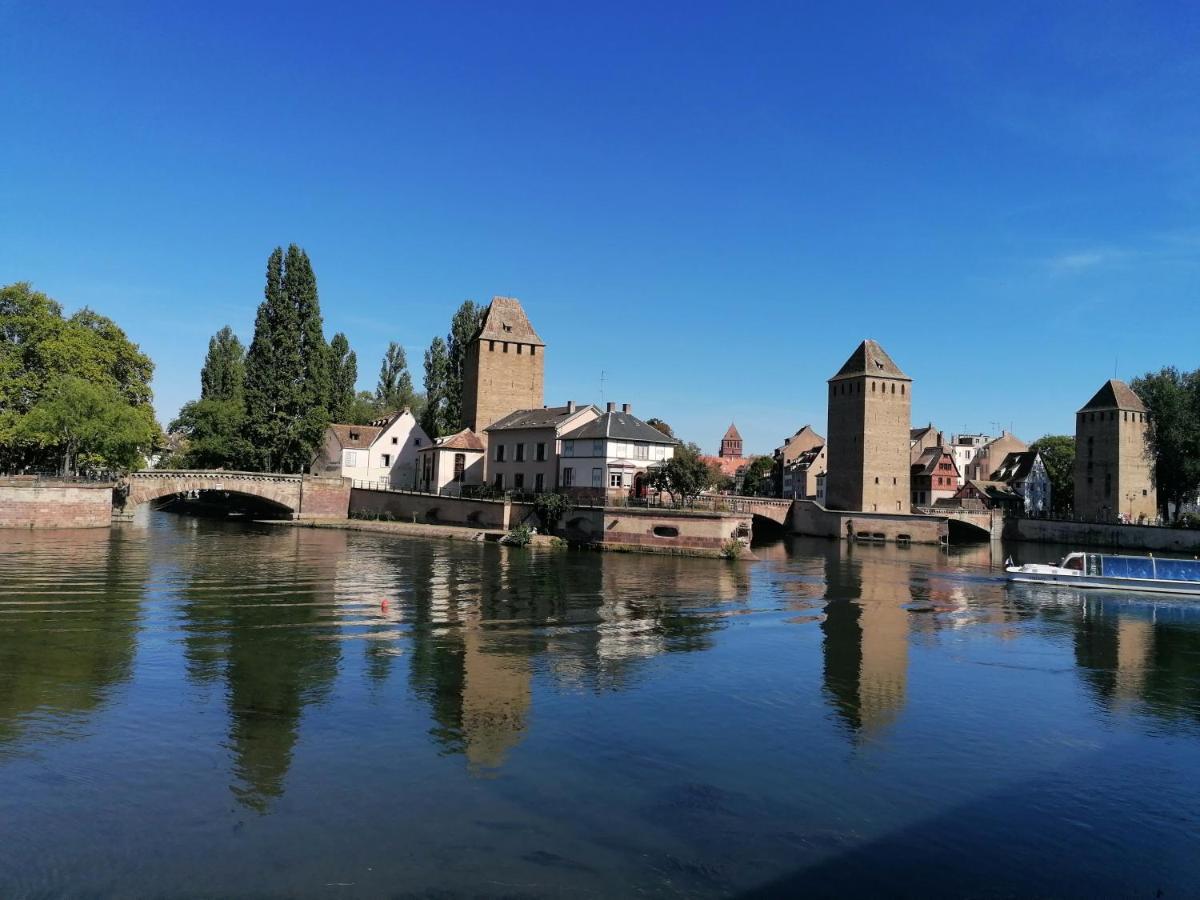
[(866, 635)]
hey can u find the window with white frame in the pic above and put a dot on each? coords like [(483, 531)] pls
[(615, 479), (568, 448), (350, 458), (386, 459), (597, 448), (520, 457), (568, 477), (499, 453), (540, 451), (641, 451)]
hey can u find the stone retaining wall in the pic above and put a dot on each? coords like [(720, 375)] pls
[(814, 520), (1090, 534), (48, 504)]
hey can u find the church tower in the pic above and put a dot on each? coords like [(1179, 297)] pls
[(505, 366), (1113, 475), (870, 413), (731, 444)]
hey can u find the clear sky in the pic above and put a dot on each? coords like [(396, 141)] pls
[(710, 204)]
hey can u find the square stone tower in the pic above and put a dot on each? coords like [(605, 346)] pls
[(1113, 469), (505, 366), (870, 414)]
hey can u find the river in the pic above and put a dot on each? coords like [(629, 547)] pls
[(198, 708)]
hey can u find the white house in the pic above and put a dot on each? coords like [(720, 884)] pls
[(610, 455), (451, 463), (382, 453)]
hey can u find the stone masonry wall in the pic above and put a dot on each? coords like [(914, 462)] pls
[(809, 518), (51, 505), (324, 498)]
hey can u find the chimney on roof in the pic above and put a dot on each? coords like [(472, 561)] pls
[(626, 408), (612, 406), (570, 406)]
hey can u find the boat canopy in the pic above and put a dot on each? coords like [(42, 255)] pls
[(1162, 569)]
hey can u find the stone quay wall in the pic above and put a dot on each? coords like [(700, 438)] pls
[(1094, 534), (431, 509), (812, 519), (656, 530), (324, 498), (50, 504)]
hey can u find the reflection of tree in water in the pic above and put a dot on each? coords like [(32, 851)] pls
[(866, 629), (1125, 658), (257, 618), (74, 635)]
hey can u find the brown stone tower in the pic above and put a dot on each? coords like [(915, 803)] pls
[(505, 366), (731, 444), (1112, 461), (870, 403)]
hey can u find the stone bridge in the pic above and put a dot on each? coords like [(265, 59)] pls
[(967, 524), (297, 496), (775, 509)]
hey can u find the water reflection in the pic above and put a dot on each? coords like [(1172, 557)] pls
[(580, 721), (69, 613)]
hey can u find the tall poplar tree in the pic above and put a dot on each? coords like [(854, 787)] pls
[(343, 378), (224, 373), (394, 391), (287, 369), (462, 328), (433, 419)]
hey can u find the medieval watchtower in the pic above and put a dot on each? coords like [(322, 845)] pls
[(1112, 460), (731, 444), (505, 366), (870, 403)]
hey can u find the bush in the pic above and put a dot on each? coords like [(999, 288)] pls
[(731, 549), (518, 537), (1188, 520), (550, 509)]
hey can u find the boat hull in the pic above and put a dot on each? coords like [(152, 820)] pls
[(1134, 585)]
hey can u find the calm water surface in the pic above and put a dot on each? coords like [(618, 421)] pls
[(204, 709)]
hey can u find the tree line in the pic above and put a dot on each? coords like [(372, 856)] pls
[(74, 390), (266, 407)]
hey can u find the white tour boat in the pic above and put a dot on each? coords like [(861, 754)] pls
[(1115, 572)]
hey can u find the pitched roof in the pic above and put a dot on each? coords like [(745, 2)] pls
[(914, 434), (463, 440), (808, 457), (621, 425), (995, 490), (505, 320), (731, 433), (927, 462), (1115, 395), (1015, 466), (544, 417), (870, 359), (356, 437)]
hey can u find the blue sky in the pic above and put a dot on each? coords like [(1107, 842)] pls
[(712, 204)]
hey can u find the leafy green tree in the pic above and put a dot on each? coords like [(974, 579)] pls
[(214, 433), (88, 424), (288, 384), (363, 409), (434, 419), (39, 346), (463, 327), (683, 476), (394, 390), (1058, 453), (551, 507), (661, 426), (223, 376), (343, 378), (1172, 401), (759, 477)]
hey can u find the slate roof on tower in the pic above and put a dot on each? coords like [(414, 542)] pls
[(505, 320), (1115, 395), (870, 359), (731, 434)]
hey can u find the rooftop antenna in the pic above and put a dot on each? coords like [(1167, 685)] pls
[(603, 398), (1115, 360)]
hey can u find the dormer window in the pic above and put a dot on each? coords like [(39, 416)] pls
[(507, 327), (354, 435)]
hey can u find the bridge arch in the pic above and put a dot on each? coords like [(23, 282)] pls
[(140, 488)]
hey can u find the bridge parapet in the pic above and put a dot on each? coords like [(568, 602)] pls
[(303, 496)]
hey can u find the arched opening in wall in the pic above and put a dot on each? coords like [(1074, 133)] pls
[(764, 529), (666, 531), (212, 504), (474, 517), (579, 529)]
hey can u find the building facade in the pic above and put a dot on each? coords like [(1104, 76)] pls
[(934, 476), (731, 444), (990, 455), (1025, 472), (801, 474), (505, 366), (451, 463), (609, 456), (383, 453), (964, 448), (921, 439), (523, 446), (870, 403), (1113, 472)]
